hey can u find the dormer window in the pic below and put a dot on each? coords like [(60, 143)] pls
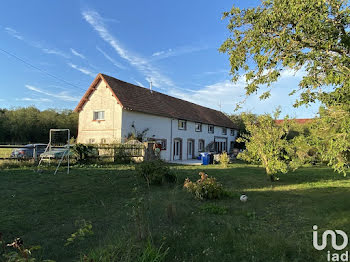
[(198, 127), (182, 124)]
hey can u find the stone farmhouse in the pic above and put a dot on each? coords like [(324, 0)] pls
[(112, 109)]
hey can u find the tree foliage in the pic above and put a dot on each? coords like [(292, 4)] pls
[(310, 35), (330, 135), (267, 144), (30, 125)]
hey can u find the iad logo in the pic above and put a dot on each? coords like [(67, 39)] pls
[(333, 235)]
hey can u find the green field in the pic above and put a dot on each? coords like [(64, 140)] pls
[(5, 152), (274, 225)]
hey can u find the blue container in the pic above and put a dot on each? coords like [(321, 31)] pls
[(205, 159)]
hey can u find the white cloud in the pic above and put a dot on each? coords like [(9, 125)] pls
[(228, 94), (110, 58), (29, 99), (141, 64), (182, 50), (64, 95), (76, 53), (46, 50), (139, 83), (54, 52), (82, 70), (13, 33)]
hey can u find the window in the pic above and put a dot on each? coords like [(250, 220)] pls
[(210, 129), (182, 124), (224, 131), (99, 115), (103, 140), (162, 143), (91, 141), (200, 145), (232, 132), (198, 127)]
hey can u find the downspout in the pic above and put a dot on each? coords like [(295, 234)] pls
[(171, 138)]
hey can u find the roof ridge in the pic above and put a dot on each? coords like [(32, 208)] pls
[(161, 93)]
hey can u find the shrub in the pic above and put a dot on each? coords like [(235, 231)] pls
[(224, 159), (205, 187), (8, 164), (155, 172), (84, 153)]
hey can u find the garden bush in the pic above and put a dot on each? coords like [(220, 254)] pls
[(224, 159), (205, 187), (155, 172)]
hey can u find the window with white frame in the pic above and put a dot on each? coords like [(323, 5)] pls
[(210, 129), (182, 124), (200, 145), (232, 132), (224, 131), (162, 142), (198, 127), (99, 115)]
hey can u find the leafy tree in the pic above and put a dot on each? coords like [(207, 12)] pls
[(312, 35), (308, 35), (26, 125), (331, 136), (238, 121), (267, 145)]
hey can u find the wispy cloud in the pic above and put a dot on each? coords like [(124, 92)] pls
[(110, 59), (182, 50), (227, 94), (44, 49), (54, 52), (141, 64), (76, 53), (13, 33), (64, 95), (139, 83), (82, 70), (29, 99)]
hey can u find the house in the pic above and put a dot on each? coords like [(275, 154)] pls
[(112, 109)]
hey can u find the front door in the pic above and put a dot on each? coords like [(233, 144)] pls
[(189, 149), (177, 149)]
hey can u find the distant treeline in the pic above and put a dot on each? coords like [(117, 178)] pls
[(30, 125)]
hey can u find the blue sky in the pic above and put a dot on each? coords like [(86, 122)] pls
[(174, 44)]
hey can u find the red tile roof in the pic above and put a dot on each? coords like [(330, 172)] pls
[(140, 99), (297, 120)]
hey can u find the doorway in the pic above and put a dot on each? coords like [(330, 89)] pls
[(177, 149), (190, 149)]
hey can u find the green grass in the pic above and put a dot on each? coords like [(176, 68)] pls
[(274, 225), (5, 152)]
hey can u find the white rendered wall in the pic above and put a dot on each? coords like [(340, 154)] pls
[(160, 128)]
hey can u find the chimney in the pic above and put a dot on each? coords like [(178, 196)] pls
[(150, 86)]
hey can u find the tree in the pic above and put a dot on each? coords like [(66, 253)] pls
[(330, 135), (267, 144), (238, 121), (310, 35)]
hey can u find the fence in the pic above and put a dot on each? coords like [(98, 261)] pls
[(113, 152)]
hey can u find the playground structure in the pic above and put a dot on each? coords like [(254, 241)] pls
[(58, 148)]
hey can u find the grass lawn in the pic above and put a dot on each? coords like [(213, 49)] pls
[(274, 225)]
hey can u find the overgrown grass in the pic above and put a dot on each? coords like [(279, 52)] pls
[(274, 225)]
